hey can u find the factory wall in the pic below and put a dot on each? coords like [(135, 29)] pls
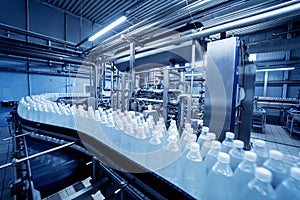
[(277, 79), (45, 20), (14, 86)]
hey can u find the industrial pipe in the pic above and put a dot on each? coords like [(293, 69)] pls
[(283, 11), (185, 11)]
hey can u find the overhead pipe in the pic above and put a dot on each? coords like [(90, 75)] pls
[(51, 56), (36, 46), (224, 27), (134, 28), (36, 35), (159, 23)]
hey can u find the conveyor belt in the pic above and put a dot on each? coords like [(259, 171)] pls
[(56, 170), (149, 184)]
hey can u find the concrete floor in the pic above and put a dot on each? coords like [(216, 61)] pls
[(278, 138)]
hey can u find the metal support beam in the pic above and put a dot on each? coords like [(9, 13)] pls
[(165, 93), (265, 84), (274, 45), (36, 155), (287, 58), (123, 92), (131, 73)]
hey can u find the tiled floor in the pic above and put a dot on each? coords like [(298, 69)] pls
[(278, 138), (73, 189)]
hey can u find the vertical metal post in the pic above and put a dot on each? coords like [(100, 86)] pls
[(123, 92), (118, 88), (165, 93), (265, 83), (112, 100), (100, 82), (95, 81), (131, 73), (91, 88), (192, 79), (287, 57), (27, 39), (65, 26), (181, 100)]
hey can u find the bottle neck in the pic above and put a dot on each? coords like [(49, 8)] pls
[(261, 186), (247, 166), (214, 152), (223, 169)]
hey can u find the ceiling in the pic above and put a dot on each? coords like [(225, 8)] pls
[(153, 22)]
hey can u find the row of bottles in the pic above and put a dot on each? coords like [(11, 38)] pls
[(203, 167)]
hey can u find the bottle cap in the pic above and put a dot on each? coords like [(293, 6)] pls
[(211, 136), (238, 143), (194, 146), (205, 129), (229, 135), (263, 174), (216, 144), (250, 155), (277, 155), (223, 157), (295, 173), (259, 143)]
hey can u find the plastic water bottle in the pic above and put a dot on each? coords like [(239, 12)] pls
[(219, 179), (172, 171), (203, 135), (260, 187), (194, 171), (236, 154), (173, 129), (212, 156), (227, 143), (297, 164), (290, 187), (276, 166), (260, 148), (207, 144), (244, 173)]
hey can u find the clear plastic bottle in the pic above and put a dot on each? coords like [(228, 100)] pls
[(173, 129), (186, 137), (289, 189), (244, 173), (260, 148), (219, 180), (297, 164), (202, 136), (276, 166), (172, 171), (227, 143), (260, 187), (212, 156), (236, 154), (194, 172), (207, 144)]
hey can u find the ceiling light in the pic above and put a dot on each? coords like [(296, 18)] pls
[(107, 28), (275, 69)]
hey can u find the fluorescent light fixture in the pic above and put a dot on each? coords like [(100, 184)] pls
[(275, 69), (107, 28), (252, 57)]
